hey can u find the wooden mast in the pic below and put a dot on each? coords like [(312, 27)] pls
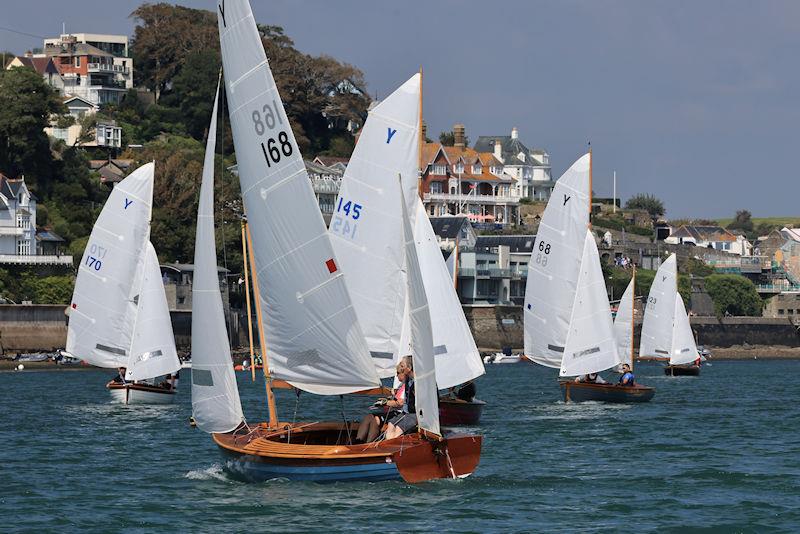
[(273, 414), (633, 310), (247, 300)]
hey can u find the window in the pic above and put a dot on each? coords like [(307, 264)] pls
[(23, 248), (458, 168), (476, 169), (77, 61), (439, 169), (790, 311), (436, 187)]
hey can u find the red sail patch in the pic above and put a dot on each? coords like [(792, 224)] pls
[(331, 265)]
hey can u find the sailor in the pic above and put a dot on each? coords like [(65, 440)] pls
[(406, 420), (120, 378), (627, 378), (591, 378), (382, 410)]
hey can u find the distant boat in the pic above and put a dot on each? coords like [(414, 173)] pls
[(666, 332), (309, 333), (119, 315), (368, 241)]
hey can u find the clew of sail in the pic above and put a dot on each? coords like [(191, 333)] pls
[(421, 335), (152, 351), (310, 326), (623, 324), (366, 227), (684, 349), (554, 265), (590, 345), (215, 397), (457, 358), (104, 304), (659, 312)]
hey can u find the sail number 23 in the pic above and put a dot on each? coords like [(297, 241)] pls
[(265, 119)]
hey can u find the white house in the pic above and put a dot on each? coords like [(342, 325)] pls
[(714, 237), (105, 134)]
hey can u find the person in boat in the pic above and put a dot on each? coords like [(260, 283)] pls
[(383, 409), (466, 392), (697, 362), (591, 378), (120, 378), (627, 378), (406, 420)]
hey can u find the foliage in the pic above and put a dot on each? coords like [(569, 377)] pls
[(449, 139), (192, 94), (733, 295), (27, 104), (39, 287), (743, 221), (617, 222), (647, 202), (698, 268)]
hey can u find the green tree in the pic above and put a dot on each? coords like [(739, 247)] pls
[(27, 105), (742, 222), (193, 90), (447, 138), (733, 295), (53, 289), (647, 202)]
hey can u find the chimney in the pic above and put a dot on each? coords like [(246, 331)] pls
[(459, 136), (498, 150), (514, 133)]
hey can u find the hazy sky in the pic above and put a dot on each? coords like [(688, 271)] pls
[(697, 102)]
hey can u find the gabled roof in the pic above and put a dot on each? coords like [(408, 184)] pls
[(791, 233), (448, 227), (10, 188), (76, 49), (515, 243), (72, 98), (329, 161), (46, 234), (314, 167), (429, 153), (42, 65), (703, 233)]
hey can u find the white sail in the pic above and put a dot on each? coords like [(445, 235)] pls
[(427, 395), (590, 345), (623, 324), (366, 229), (554, 265), (452, 265), (659, 312), (457, 358), (312, 334), (103, 309), (215, 397), (152, 351), (684, 349)]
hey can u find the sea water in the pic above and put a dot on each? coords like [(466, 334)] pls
[(715, 453)]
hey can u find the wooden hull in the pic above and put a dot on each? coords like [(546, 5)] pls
[(140, 394), (582, 392), (682, 370), (456, 412), (319, 452)]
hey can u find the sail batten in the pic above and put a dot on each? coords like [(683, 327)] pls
[(313, 337)]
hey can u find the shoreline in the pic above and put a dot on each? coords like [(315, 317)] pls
[(736, 352)]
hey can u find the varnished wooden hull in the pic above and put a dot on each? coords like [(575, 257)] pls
[(583, 392), (140, 394), (310, 452), (456, 412), (682, 370)]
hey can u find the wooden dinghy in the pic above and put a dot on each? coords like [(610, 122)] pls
[(324, 452), (137, 393), (583, 392), (457, 412), (682, 370)]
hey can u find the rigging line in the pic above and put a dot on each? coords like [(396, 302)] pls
[(22, 33), (221, 96)]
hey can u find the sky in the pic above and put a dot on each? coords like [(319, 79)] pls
[(694, 101)]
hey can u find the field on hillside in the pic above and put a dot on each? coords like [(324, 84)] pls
[(790, 222)]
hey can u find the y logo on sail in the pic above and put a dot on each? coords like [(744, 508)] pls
[(389, 134)]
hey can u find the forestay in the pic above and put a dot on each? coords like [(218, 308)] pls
[(310, 326), (215, 398), (659, 313), (457, 358), (554, 265), (421, 336), (684, 349), (153, 345), (103, 309), (623, 324), (590, 346), (366, 227)]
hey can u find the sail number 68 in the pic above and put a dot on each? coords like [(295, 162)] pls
[(544, 251)]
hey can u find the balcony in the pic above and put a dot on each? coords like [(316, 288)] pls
[(499, 273), (107, 68), (13, 259), (511, 200), (12, 231)]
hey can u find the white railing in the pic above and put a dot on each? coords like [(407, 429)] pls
[(472, 198), (13, 259), (100, 67), (11, 230)]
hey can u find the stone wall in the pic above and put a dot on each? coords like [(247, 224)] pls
[(32, 328)]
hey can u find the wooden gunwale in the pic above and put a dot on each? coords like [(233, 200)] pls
[(140, 387), (383, 390)]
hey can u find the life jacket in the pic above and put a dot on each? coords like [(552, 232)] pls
[(630, 376)]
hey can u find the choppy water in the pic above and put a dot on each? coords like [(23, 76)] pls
[(716, 454)]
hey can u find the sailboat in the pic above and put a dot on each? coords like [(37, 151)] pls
[(367, 237), (666, 332), (119, 315), (309, 332)]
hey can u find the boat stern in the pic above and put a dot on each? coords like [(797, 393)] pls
[(456, 456)]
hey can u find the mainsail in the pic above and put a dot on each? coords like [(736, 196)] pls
[(104, 303), (310, 327), (421, 335), (457, 358), (554, 265), (659, 312), (366, 228), (590, 346), (623, 324), (215, 398), (684, 349), (152, 350)]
